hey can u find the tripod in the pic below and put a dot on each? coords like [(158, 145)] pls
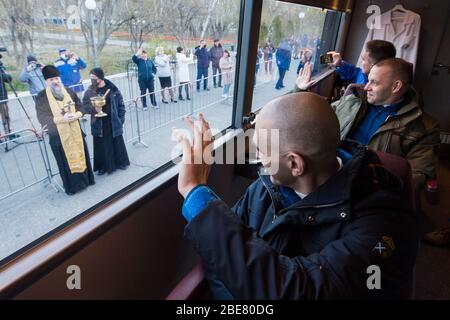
[(6, 124)]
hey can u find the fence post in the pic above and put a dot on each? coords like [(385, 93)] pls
[(46, 160), (191, 105), (138, 127)]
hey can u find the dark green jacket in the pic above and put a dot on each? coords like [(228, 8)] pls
[(411, 134)]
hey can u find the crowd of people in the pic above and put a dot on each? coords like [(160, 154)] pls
[(148, 69)]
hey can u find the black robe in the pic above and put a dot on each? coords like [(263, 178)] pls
[(110, 152), (71, 182)]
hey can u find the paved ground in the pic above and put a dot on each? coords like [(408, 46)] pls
[(35, 211)]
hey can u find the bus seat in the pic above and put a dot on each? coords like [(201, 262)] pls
[(192, 287), (402, 169)]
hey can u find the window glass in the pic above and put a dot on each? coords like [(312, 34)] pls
[(150, 53), (290, 35)]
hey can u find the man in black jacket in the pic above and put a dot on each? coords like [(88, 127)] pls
[(4, 111), (316, 227)]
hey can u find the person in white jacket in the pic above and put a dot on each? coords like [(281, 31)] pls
[(162, 62), (227, 69), (183, 72)]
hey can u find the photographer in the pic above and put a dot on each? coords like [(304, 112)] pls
[(203, 59), (69, 66), (32, 74), (4, 112)]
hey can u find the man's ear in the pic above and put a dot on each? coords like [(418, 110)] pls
[(397, 86), (296, 163)]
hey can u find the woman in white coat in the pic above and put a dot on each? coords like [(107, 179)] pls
[(226, 65), (183, 72), (162, 62)]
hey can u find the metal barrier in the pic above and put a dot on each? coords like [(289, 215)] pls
[(24, 156), (147, 120), (24, 162)]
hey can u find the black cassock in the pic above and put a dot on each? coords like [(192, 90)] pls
[(110, 152), (72, 182)]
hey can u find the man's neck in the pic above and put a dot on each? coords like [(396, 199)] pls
[(102, 84), (313, 181)]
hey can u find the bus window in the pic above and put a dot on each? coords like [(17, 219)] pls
[(129, 72), (290, 35)]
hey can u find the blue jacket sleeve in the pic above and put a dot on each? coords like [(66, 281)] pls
[(197, 200), (24, 76), (349, 72), (135, 59), (81, 64)]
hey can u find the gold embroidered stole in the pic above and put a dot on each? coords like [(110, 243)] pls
[(69, 133)]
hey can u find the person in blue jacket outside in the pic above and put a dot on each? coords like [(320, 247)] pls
[(283, 57), (69, 65), (374, 52), (146, 77), (203, 59)]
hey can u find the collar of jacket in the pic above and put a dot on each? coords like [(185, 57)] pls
[(408, 113), (336, 190), (405, 115), (111, 86)]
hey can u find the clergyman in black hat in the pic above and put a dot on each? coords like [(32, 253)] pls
[(59, 109)]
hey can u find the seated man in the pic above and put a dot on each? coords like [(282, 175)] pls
[(375, 51), (387, 116), (312, 228)]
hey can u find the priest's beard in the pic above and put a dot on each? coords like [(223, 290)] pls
[(57, 91)]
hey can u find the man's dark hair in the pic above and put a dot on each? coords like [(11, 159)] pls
[(179, 49), (379, 50), (401, 69)]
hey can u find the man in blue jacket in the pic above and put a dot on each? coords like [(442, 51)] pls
[(69, 65), (146, 77), (283, 56), (203, 59), (315, 226), (374, 52)]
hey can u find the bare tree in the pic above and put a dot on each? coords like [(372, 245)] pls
[(140, 25), (97, 26), (18, 21), (182, 19), (211, 5)]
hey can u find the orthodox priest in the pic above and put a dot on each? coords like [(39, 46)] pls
[(110, 152), (59, 109)]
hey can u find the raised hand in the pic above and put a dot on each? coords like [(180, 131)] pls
[(197, 156)]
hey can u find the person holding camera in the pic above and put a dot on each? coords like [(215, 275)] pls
[(32, 75), (203, 59), (69, 66)]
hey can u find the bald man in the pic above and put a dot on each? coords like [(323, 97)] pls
[(316, 227)]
